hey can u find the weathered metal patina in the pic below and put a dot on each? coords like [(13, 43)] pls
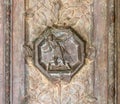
[(59, 53)]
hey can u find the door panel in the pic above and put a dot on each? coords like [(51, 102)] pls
[(91, 22)]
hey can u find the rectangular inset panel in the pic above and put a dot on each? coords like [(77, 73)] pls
[(76, 14)]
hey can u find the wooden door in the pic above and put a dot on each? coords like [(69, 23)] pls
[(57, 52)]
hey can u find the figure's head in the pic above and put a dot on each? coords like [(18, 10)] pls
[(50, 37)]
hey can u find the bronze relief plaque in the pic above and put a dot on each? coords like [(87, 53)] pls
[(61, 39), (59, 53)]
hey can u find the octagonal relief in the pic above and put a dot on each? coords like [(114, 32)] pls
[(59, 53)]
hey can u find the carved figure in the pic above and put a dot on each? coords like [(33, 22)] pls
[(56, 46)]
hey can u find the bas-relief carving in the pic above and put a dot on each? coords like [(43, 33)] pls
[(76, 14), (59, 53)]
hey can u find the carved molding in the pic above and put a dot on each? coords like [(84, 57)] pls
[(117, 51), (7, 48)]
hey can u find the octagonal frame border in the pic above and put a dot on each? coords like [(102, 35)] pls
[(60, 74)]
